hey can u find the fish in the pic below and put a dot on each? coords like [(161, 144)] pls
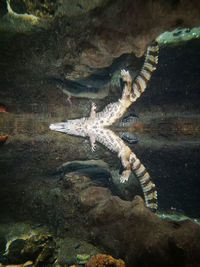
[(3, 139), (128, 120), (128, 137), (77, 245), (79, 6), (3, 108)]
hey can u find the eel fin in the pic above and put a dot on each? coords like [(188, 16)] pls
[(128, 137)]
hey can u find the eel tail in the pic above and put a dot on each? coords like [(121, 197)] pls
[(150, 63), (148, 187)]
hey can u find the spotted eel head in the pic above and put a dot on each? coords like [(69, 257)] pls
[(63, 127), (72, 127)]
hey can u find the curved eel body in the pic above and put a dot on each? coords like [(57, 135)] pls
[(96, 126)]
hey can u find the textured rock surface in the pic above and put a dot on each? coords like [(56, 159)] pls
[(80, 36), (73, 49), (143, 237), (39, 248), (124, 229)]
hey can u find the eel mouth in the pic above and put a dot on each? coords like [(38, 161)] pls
[(59, 127)]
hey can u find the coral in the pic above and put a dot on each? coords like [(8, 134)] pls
[(104, 260)]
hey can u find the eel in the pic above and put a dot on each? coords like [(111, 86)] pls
[(96, 125)]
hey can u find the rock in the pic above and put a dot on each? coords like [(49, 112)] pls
[(68, 254), (2, 244), (92, 196), (124, 229), (39, 248), (84, 173), (14, 255), (72, 44), (80, 46), (138, 234)]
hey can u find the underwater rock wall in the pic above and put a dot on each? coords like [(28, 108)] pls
[(77, 37), (74, 206), (59, 44), (129, 230)]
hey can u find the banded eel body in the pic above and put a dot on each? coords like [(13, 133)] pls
[(134, 91), (130, 162), (131, 90), (148, 187), (140, 83), (95, 126)]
